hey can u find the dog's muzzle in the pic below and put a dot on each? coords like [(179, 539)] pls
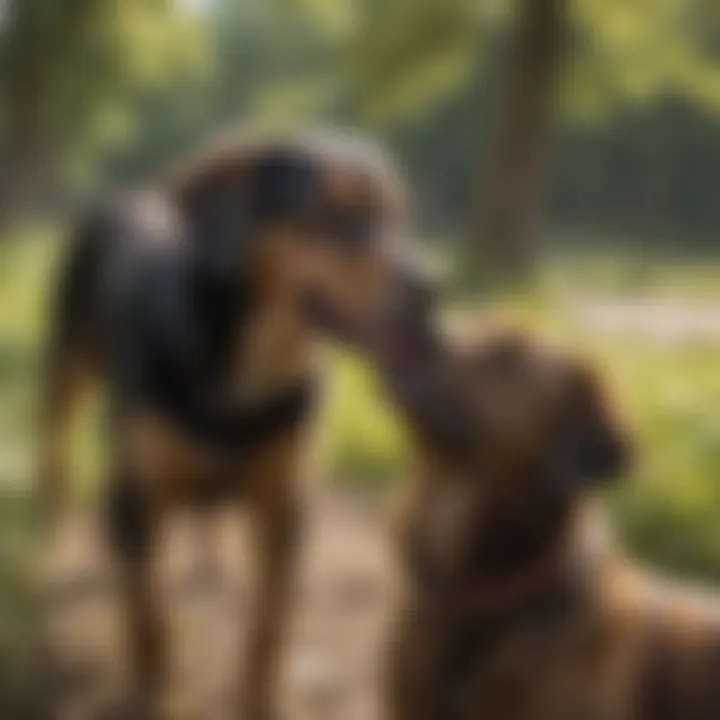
[(405, 314)]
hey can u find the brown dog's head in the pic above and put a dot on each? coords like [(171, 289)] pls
[(509, 435), (316, 221), (514, 417), (526, 412)]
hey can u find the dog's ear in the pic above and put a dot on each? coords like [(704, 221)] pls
[(587, 446), (226, 205)]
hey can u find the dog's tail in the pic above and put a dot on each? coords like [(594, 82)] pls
[(70, 360)]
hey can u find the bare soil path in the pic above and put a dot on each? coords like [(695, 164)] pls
[(332, 664)]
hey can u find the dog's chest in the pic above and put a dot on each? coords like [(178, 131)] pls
[(221, 318), (540, 673), (206, 367)]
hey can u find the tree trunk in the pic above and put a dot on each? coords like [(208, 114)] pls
[(22, 160), (503, 240), (38, 49)]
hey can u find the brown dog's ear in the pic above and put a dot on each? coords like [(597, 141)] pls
[(587, 447), (227, 205)]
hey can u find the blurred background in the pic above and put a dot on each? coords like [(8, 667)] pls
[(565, 159)]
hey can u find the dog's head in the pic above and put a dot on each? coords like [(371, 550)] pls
[(520, 411), (509, 436), (315, 220)]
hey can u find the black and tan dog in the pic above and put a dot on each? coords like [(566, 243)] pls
[(518, 607), (200, 302)]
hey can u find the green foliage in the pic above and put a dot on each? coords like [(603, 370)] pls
[(638, 50), (72, 71), (363, 442), (670, 513), (144, 82), (268, 66), (410, 53), (136, 48), (404, 57)]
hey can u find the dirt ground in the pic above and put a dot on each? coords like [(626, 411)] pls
[(345, 590)]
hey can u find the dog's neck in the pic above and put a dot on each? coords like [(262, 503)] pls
[(539, 583), (514, 568), (512, 559), (516, 534)]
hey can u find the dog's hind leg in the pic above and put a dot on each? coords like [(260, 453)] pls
[(70, 362), (67, 374), (133, 524)]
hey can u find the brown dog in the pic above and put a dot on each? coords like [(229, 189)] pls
[(200, 302), (518, 609)]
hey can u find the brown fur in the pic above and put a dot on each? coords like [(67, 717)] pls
[(518, 607), (278, 346)]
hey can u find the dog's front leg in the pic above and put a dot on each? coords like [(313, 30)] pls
[(275, 516), (134, 522)]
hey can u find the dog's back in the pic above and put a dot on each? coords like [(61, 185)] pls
[(616, 647), (677, 673)]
